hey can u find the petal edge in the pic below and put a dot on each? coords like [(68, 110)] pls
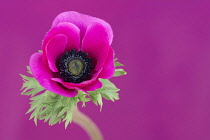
[(82, 21)]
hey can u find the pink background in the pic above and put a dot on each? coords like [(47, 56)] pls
[(165, 47)]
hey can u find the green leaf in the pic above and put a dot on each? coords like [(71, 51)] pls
[(84, 99), (51, 107), (109, 90), (54, 108), (119, 72), (96, 98), (116, 64), (30, 86), (57, 111), (29, 70), (62, 111), (110, 95), (68, 117), (57, 120), (82, 96)]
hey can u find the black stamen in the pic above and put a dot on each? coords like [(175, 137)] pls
[(75, 67)]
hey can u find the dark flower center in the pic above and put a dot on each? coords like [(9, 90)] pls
[(75, 67)]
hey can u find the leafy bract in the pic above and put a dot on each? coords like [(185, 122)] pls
[(118, 71), (49, 106), (108, 91), (54, 108)]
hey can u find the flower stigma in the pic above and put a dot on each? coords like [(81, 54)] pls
[(75, 67)]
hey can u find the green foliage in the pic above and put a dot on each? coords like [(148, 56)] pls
[(30, 86), (117, 63), (54, 108), (108, 91), (49, 106), (96, 98), (118, 72)]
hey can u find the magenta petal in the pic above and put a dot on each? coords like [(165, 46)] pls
[(95, 45), (96, 85), (55, 48), (83, 21), (59, 80), (108, 68), (69, 30), (43, 75), (78, 85)]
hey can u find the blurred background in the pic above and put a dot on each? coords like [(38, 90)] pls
[(165, 47)]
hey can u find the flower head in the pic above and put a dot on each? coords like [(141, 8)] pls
[(76, 52)]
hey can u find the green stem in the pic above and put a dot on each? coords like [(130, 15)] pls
[(87, 124)]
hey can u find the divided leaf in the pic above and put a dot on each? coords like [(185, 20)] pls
[(108, 91), (118, 64), (51, 107), (54, 108), (30, 86), (96, 98), (119, 72), (48, 106)]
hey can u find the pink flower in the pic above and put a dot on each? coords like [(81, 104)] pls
[(76, 52)]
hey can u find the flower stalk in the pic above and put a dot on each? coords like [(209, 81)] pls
[(87, 124)]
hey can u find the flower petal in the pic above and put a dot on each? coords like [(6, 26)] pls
[(59, 80), (95, 45), (72, 33), (108, 68), (83, 21), (55, 48), (96, 85), (78, 85), (43, 75)]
